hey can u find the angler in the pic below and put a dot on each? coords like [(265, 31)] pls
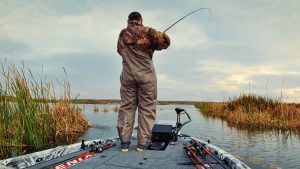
[(136, 45)]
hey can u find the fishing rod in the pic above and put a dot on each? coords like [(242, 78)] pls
[(187, 16), (201, 147), (193, 157), (201, 153), (85, 152)]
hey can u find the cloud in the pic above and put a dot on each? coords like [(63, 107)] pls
[(166, 82), (46, 33), (252, 42), (259, 78), (190, 37), (291, 94), (10, 47)]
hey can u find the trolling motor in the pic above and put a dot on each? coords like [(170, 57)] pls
[(163, 134)]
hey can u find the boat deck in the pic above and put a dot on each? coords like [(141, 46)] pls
[(113, 158)]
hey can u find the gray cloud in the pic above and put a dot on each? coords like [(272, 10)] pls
[(9, 47)]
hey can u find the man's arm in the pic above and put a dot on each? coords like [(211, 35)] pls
[(120, 43), (158, 39)]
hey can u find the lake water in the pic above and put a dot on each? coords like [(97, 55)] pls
[(256, 149)]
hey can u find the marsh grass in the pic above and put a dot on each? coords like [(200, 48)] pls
[(28, 118), (116, 108), (256, 112), (96, 108), (105, 109)]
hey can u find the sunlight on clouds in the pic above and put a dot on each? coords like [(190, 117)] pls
[(294, 94), (233, 82), (289, 94), (215, 66), (236, 77)]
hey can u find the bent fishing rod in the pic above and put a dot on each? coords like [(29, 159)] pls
[(187, 16)]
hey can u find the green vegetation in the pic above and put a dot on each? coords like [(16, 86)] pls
[(252, 111), (26, 122)]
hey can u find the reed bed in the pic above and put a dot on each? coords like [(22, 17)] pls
[(96, 108), (117, 108), (256, 112), (28, 118), (105, 109)]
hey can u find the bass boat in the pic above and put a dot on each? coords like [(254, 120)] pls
[(169, 149)]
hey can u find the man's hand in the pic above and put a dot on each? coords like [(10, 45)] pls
[(163, 41), (166, 39)]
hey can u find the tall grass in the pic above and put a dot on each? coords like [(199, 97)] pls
[(257, 112), (105, 109), (96, 108), (117, 108), (28, 118)]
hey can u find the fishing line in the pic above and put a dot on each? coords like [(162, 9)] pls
[(187, 16)]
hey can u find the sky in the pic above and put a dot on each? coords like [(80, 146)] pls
[(246, 46)]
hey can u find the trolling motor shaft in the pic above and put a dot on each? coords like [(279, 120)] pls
[(179, 125)]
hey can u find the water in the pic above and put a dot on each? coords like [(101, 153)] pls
[(257, 149)]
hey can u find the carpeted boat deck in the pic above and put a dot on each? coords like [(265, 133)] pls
[(113, 158)]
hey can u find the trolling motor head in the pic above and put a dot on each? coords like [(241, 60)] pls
[(179, 110), (163, 134)]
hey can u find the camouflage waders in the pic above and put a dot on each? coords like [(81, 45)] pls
[(136, 45)]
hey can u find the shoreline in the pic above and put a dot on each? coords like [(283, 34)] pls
[(111, 101), (117, 101)]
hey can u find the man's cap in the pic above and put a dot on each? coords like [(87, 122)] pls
[(134, 16)]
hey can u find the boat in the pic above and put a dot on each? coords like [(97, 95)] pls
[(169, 150)]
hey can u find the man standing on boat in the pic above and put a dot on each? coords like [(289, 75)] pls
[(136, 45)]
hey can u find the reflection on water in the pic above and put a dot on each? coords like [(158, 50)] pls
[(257, 149)]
